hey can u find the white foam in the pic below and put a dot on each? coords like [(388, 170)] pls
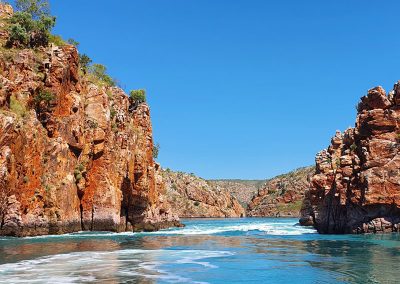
[(267, 228), (83, 234), (80, 267), (80, 234)]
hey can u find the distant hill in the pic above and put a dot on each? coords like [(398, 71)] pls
[(281, 195), (191, 197), (243, 190)]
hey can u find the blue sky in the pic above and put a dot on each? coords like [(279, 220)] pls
[(239, 88)]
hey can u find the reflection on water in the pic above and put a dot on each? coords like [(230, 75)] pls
[(17, 250), (359, 260), (268, 249)]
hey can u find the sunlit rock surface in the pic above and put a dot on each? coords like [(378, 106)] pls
[(81, 160), (191, 196), (356, 186)]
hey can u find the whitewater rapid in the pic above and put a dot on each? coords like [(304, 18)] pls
[(262, 226)]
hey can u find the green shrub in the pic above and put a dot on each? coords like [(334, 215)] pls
[(47, 188), (139, 96), (114, 127), (79, 169), (17, 107), (292, 206), (109, 94), (113, 113), (43, 96), (31, 25), (78, 177), (73, 42), (26, 31), (84, 62), (56, 40), (36, 8), (17, 34), (99, 71), (40, 36), (23, 19), (156, 150)]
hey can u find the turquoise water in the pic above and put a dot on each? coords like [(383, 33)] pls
[(265, 250)]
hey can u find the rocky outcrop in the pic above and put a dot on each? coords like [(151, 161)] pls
[(356, 186), (74, 154), (193, 197), (243, 190), (281, 196)]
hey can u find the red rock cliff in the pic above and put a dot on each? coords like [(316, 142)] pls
[(81, 160), (356, 186), (281, 196), (194, 197)]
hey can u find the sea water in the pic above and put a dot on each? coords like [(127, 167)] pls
[(249, 250)]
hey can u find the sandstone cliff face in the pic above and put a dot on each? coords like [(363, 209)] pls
[(193, 197), (242, 190), (81, 160), (356, 186), (281, 196)]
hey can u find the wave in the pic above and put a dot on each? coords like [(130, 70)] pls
[(278, 229), (206, 228), (80, 234), (107, 266)]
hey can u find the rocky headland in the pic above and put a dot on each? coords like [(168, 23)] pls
[(356, 185), (194, 197), (75, 150), (282, 195)]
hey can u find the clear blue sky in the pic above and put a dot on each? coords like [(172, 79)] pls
[(239, 88)]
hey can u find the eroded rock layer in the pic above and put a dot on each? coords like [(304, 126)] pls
[(242, 189), (193, 197), (281, 196), (74, 154), (356, 186)]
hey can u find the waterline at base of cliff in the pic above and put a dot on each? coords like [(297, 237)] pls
[(246, 250)]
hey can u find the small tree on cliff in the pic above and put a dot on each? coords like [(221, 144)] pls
[(30, 26), (99, 71), (138, 96), (36, 8), (156, 150), (43, 97), (84, 62), (73, 42)]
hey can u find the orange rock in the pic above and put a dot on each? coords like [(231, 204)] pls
[(364, 193), (68, 164), (191, 196), (281, 196)]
